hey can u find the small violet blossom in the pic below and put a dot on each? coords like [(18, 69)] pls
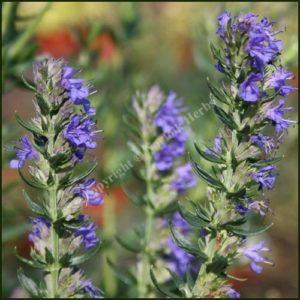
[(80, 132), (185, 179), (88, 234), (77, 92), (265, 177), (91, 290), (223, 20), (86, 190), (170, 121), (249, 90), (265, 143), (39, 225), (277, 82), (26, 152), (233, 294), (254, 255), (275, 114)]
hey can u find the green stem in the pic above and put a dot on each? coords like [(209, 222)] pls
[(55, 246), (144, 279), (54, 268)]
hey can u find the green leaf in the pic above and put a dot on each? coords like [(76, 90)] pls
[(49, 257), (27, 84), (237, 222), (58, 160), (29, 262), (77, 260), (28, 284), (184, 244), (213, 182), (37, 209), (33, 183), (79, 178), (218, 95), (224, 117), (14, 231), (209, 157), (167, 209), (137, 200), (218, 265), (201, 211), (191, 218), (176, 279), (250, 232), (131, 127), (233, 277), (43, 105), (159, 288), (189, 277), (266, 162), (28, 125), (128, 280), (127, 245)]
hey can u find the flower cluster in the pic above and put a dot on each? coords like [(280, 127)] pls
[(170, 124), (62, 132), (242, 158)]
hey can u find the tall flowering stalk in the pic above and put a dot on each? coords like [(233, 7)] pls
[(242, 157), (158, 140), (60, 134)]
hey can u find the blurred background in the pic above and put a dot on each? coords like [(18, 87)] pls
[(121, 48)]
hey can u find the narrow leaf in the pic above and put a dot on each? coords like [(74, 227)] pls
[(27, 283), (209, 157), (250, 232), (32, 205), (159, 288), (127, 246), (84, 257)]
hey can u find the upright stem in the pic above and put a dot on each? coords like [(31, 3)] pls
[(54, 268), (144, 279)]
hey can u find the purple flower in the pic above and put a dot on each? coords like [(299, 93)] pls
[(265, 177), (219, 67), (80, 132), (244, 22), (217, 147), (264, 142), (165, 157), (277, 82), (240, 209), (185, 179), (231, 293), (262, 47), (169, 118), (88, 235), (249, 90), (38, 225), (91, 290), (275, 114), (24, 153), (85, 191), (178, 259), (223, 20), (253, 254), (260, 207), (77, 92)]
